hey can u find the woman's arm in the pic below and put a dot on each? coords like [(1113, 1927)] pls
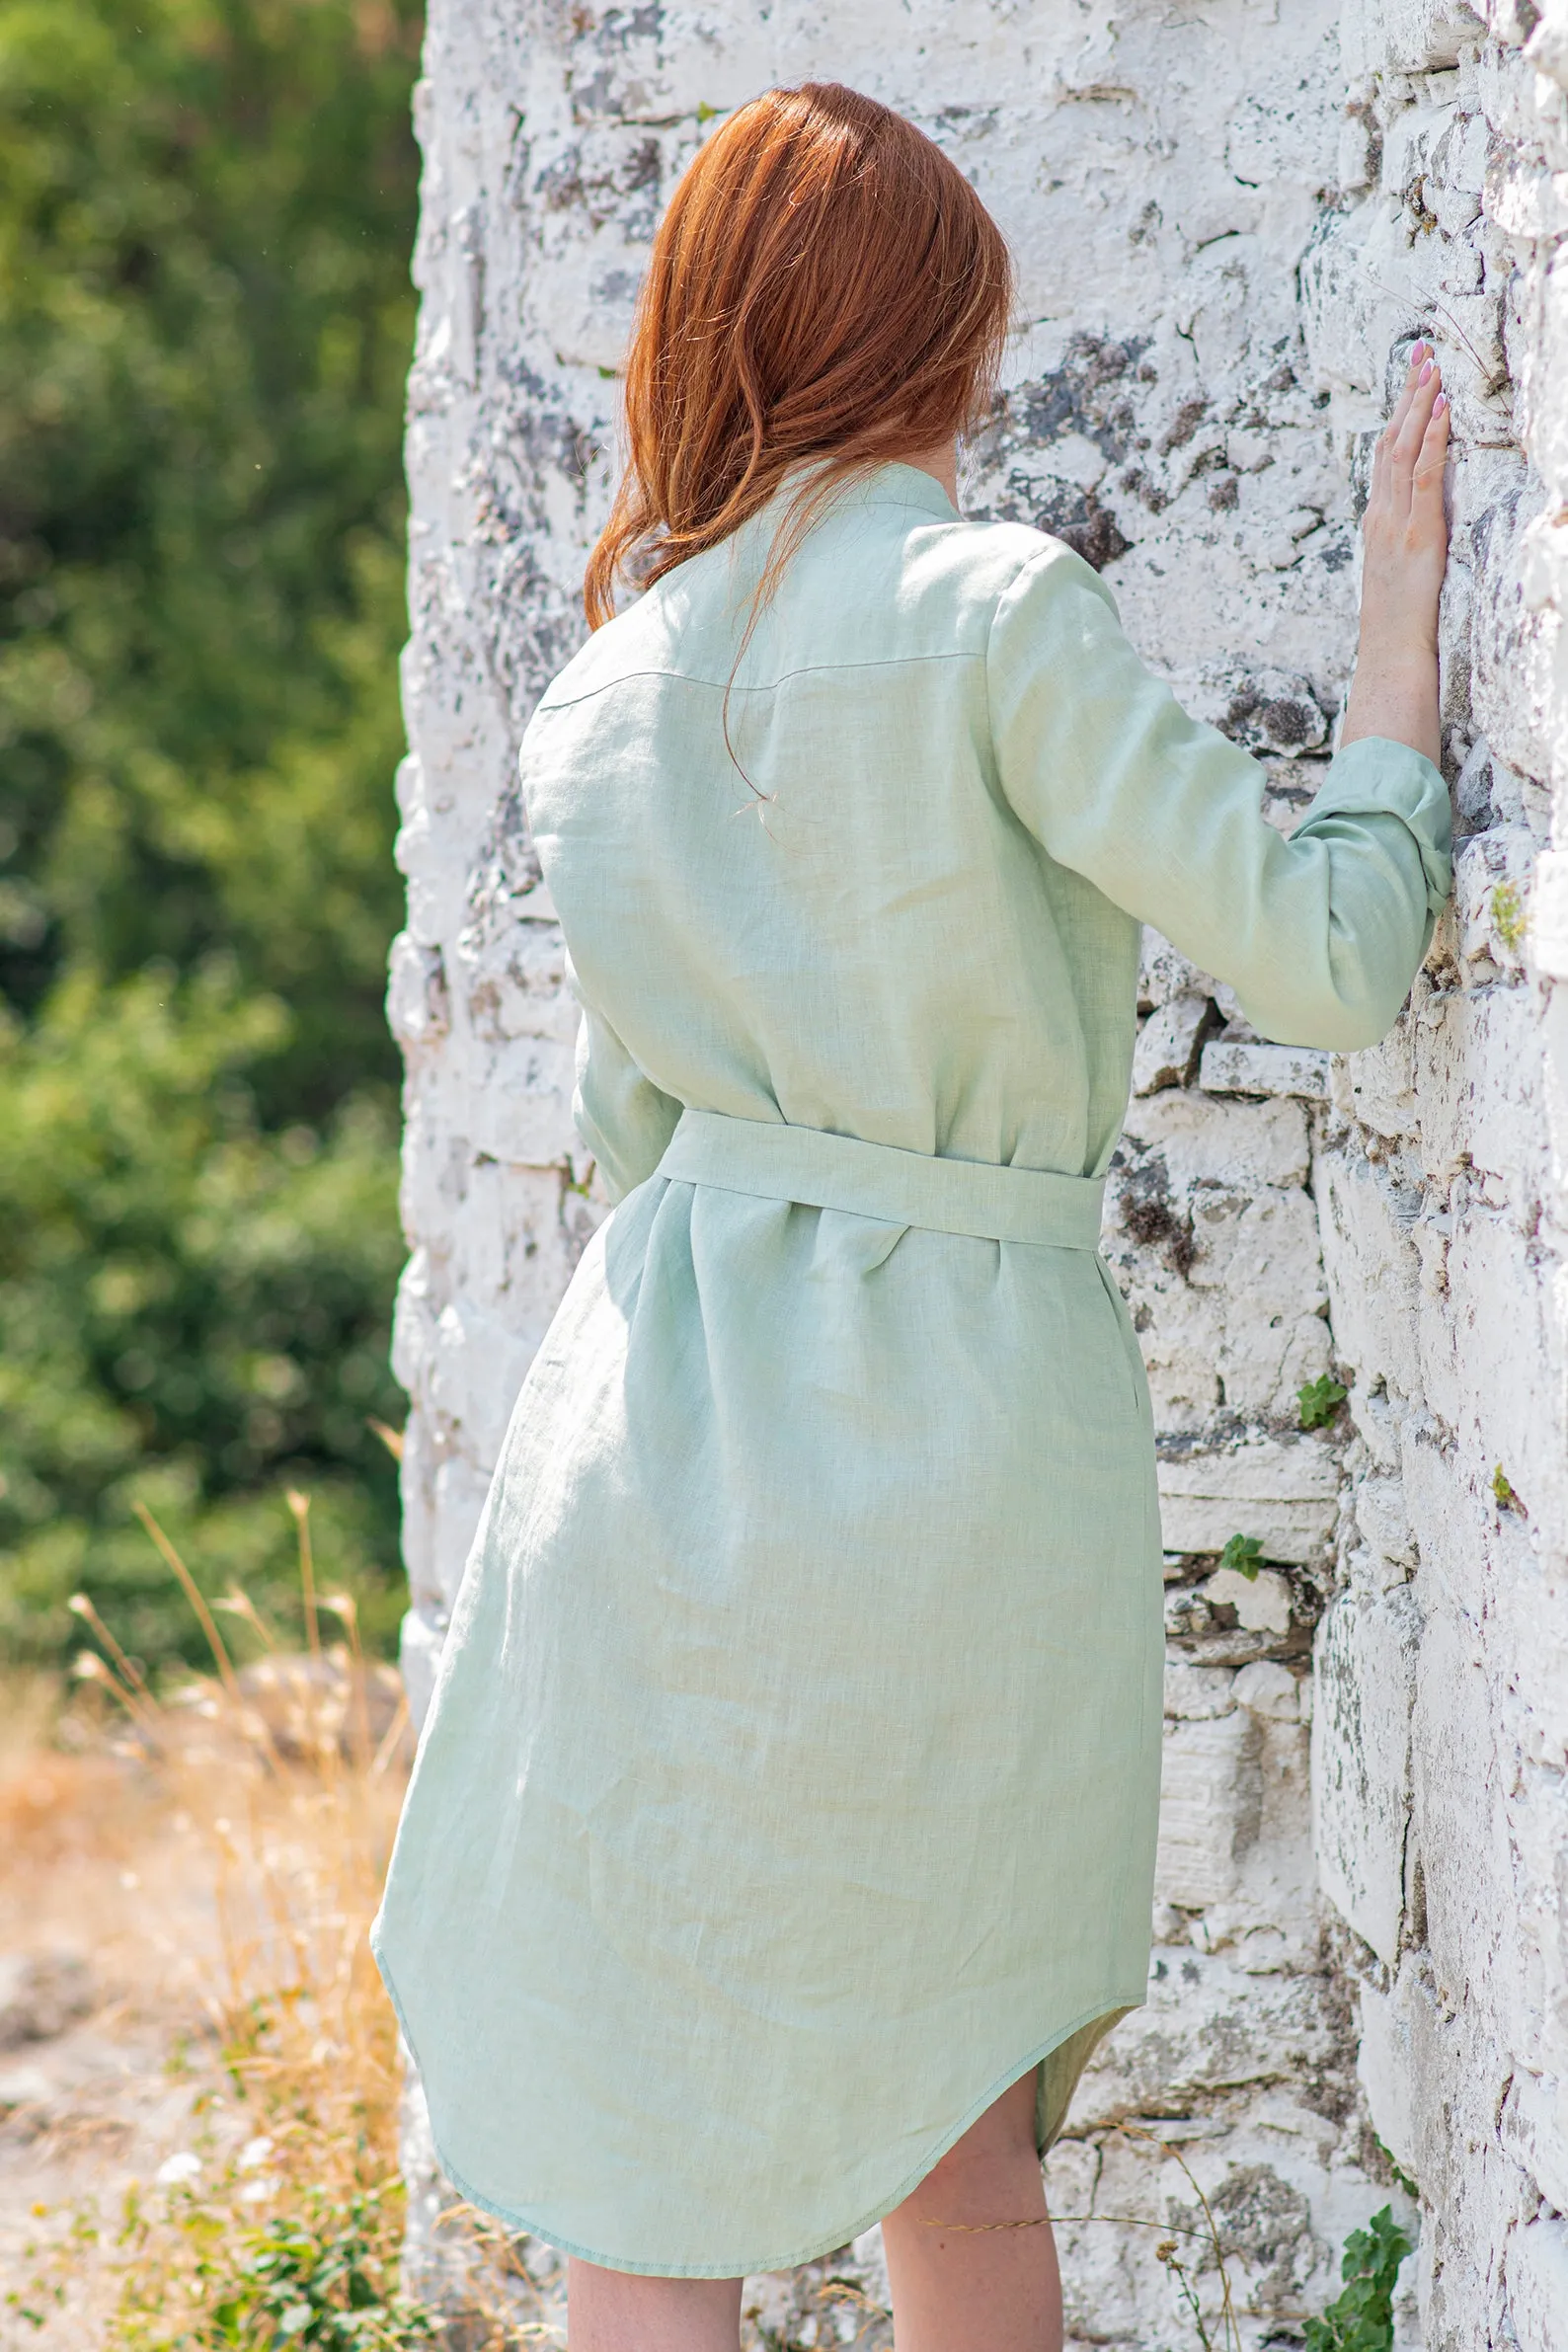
[(1405, 547), (623, 1118), (1319, 934)]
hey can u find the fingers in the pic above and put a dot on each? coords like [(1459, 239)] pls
[(1427, 479), (1383, 449), (1420, 354), (1412, 431)]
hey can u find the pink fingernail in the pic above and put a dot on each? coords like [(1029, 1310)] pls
[(1439, 404), (1425, 372)]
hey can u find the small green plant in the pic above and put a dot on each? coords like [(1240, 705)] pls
[(1508, 914), (323, 2281), (1362, 2320), (1504, 1493), (1243, 1553), (1409, 2186), (1321, 1400)]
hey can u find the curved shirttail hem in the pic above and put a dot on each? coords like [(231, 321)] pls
[(747, 2267)]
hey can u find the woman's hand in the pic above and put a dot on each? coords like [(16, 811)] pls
[(1405, 550)]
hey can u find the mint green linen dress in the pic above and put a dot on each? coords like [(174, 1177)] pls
[(791, 1780)]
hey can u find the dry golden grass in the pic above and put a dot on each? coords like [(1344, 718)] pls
[(220, 1860)]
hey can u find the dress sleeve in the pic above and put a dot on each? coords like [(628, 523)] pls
[(623, 1118), (1319, 934)]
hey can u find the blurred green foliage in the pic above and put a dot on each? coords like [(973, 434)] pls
[(206, 209)]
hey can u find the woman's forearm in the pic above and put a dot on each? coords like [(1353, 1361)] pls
[(1405, 549), (1394, 693)]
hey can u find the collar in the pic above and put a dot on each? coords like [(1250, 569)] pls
[(892, 485), (906, 486)]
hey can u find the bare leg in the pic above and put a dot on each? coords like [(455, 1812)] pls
[(611, 2311), (957, 2289)]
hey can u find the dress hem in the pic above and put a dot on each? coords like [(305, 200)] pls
[(534, 2226)]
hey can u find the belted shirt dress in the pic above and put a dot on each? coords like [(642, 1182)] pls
[(790, 1781)]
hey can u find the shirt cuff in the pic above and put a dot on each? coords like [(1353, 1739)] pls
[(1375, 776)]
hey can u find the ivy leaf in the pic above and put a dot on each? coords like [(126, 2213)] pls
[(1360, 2318), (1321, 1400), (1243, 1553)]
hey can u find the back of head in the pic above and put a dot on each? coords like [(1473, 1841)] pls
[(826, 292)]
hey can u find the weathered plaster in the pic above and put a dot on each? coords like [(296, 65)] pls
[(1230, 221)]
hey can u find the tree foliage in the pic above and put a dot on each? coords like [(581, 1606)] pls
[(206, 208)]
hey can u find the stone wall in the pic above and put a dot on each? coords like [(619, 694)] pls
[(1230, 221)]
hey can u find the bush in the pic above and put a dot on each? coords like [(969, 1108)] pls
[(205, 212)]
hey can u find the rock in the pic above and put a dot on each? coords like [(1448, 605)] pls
[(41, 1994), (1230, 1068), (1166, 1053), (1262, 1603)]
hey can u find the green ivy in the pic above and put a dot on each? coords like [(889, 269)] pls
[(1243, 1553), (1321, 1400), (1360, 2320)]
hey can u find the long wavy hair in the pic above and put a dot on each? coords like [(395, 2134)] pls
[(827, 293)]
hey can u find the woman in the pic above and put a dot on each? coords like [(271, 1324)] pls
[(781, 1839)]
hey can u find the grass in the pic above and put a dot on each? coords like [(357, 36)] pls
[(223, 1852)]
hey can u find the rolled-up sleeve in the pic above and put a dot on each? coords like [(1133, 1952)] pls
[(1319, 933)]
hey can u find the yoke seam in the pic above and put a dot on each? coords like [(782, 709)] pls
[(688, 677)]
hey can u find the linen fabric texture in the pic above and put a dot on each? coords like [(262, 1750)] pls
[(790, 1787)]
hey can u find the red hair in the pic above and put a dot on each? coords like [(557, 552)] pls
[(825, 290)]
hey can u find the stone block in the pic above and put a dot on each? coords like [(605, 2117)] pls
[(1166, 1053), (1197, 1694), (1547, 933), (418, 1002), (520, 1101), (1379, 1084), (1493, 885), (1406, 37), (1386, 2064), (1165, 972), (417, 1469), (1258, 1251), (1384, 1517), (1366, 1663), (1535, 2267), (1497, 1376), (1372, 1270), (473, 1372), (1209, 2030), (1224, 1287), (1233, 1068), (1262, 1603), (1478, 1070), (1534, 2131), (1211, 1798), (1270, 1690), (1284, 1491), (1227, 1143)]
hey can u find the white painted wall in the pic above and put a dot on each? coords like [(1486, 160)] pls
[(1229, 215)]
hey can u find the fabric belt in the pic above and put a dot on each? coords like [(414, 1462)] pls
[(775, 1162)]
